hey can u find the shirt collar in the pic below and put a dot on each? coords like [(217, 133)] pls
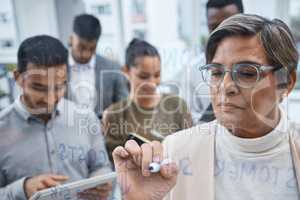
[(25, 114), (90, 65), (21, 109)]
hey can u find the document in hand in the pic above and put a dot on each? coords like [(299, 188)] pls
[(69, 191)]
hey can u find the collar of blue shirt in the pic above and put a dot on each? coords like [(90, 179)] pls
[(26, 115)]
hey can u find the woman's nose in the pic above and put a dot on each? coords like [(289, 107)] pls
[(228, 85)]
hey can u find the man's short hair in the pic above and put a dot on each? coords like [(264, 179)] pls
[(42, 51), (87, 27), (223, 3)]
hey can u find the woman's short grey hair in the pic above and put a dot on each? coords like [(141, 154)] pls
[(275, 36)]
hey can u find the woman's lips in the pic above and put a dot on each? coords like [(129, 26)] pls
[(229, 107)]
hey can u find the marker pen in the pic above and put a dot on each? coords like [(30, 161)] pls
[(154, 167)]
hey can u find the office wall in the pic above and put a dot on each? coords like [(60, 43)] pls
[(66, 10), (36, 17)]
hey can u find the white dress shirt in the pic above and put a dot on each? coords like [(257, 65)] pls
[(83, 91)]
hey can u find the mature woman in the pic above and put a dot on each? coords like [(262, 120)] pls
[(147, 112), (251, 150)]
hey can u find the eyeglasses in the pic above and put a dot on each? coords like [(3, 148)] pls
[(245, 75)]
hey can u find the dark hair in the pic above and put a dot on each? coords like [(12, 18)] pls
[(41, 50), (139, 48), (87, 27), (223, 3)]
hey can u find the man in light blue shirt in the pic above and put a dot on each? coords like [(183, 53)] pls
[(45, 139)]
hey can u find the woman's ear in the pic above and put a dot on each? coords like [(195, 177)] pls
[(285, 82), (292, 82)]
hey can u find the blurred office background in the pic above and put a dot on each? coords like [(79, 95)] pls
[(174, 26)]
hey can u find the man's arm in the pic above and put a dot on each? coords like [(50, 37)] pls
[(13, 191), (98, 161)]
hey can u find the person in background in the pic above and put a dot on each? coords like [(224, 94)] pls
[(252, 149), (219, 10), (94, 81), (146, 112), (195, 91), (45, 140)]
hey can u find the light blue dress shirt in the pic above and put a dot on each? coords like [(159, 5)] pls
[(70, 144)]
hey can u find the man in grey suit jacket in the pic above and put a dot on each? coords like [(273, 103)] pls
[(94, 81)]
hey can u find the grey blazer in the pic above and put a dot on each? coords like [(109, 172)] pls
[(110, 84)]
